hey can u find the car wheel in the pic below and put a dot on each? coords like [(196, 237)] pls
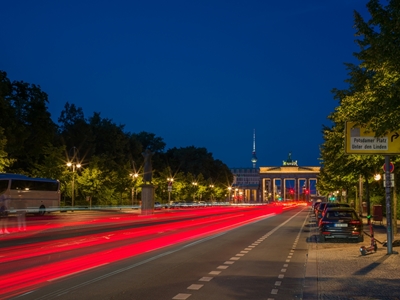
[(322, 238)]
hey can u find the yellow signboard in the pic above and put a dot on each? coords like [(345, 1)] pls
[(357, 141)]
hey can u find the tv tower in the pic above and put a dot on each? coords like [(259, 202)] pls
[(254, 157)]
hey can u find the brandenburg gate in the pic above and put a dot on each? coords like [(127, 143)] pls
[(288, 182)]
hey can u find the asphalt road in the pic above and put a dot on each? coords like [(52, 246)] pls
[(262, 260)]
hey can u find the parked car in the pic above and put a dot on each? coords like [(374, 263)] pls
[(157, 205), (315, 207), (341, 223), (319, 210), (333, 204)]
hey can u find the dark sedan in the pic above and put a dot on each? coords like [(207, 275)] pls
[(341, 223), (333, 204)]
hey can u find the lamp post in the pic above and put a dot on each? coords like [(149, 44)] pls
[(133, 193), (229, 189), (75, 164), (211, 187), (170, 181), (236, 193), (194, 194)]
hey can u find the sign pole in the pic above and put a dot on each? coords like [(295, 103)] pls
[(388, 206)]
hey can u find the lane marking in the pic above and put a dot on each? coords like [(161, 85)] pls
[(223, 267), (195, 287), (206, 278), (215, 272), (181, 296)]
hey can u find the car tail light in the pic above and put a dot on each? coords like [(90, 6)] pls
[(321, 222), (355, 222)]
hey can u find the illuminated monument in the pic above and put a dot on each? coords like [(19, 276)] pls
[(289, 181)]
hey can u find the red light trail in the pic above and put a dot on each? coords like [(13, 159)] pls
[(24, 264)]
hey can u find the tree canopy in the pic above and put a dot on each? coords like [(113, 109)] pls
[(32, 143), (371, 99)]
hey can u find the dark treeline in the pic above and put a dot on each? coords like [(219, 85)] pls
[(31, 143)]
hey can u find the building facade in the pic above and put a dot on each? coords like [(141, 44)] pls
[(275, 183)]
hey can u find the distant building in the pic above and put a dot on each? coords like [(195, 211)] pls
[(275, 183), (289, 181), (246, 185)]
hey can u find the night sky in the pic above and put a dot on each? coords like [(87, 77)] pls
[(196, 73)]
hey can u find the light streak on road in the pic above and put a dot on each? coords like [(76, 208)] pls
[(71, 256)]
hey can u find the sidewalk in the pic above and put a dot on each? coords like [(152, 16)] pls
[(339, 271)]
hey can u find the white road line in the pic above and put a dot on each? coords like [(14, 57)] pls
[(215, 272), (195, 287), (206, 278), (222, 267), (229, 262), (181, 296)]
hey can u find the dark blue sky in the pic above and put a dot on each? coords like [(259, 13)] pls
[(202, 73)]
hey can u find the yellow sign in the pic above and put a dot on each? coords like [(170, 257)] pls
[(357, 141)]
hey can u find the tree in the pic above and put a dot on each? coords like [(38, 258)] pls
[(5, 162), (371, 100), (74, 130)]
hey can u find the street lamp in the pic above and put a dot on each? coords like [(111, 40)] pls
[(377, 177), (133, 193), (229, 189), (211, 187), (194, 194), (75, 164), (170, 181)]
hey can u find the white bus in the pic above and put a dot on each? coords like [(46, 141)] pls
[(35, 195)]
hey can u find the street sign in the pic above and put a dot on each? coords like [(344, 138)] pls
[(391, 167), (391, 180), (358, 141), (169, 188)]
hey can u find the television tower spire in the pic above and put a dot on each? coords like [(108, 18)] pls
[(254, 157)]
